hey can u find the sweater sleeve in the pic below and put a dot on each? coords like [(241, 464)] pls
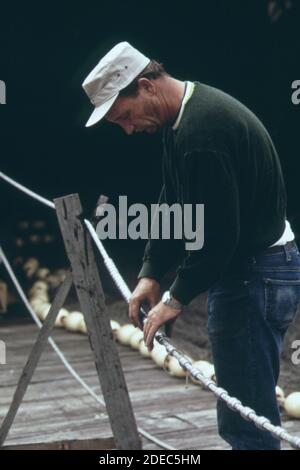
[(209, 179), (161, 254)]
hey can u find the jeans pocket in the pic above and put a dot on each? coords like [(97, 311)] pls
[(282, 297), (227, 310)]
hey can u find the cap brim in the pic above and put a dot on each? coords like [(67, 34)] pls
[(100, 111)]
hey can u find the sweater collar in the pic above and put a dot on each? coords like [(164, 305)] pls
[(189, 88)]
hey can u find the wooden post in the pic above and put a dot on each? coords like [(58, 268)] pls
[(34, 356), (86, 279), (3, 297)]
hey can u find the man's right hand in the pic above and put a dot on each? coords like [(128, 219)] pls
[(147, 291)]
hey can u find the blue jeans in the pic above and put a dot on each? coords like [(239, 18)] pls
[(247, 320)]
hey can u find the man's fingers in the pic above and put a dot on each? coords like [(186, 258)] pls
[(134, 306), (146, 328), (149, 336), (149, 331)]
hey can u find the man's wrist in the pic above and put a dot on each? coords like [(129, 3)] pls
[(169, 300)]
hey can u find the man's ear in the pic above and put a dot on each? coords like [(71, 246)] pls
[(147, 86)]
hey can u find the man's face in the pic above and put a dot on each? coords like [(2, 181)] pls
[(139, 113)]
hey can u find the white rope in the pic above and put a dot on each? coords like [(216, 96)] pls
[(39, 324), (62, 357), (233, 403), (27, 191), (109, 263)]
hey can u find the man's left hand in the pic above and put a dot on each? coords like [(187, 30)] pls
[(157, 317)]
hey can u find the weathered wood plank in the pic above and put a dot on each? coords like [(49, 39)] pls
[(58, 410), (34, 356), (3, 296), (90, 294), (86, 444)]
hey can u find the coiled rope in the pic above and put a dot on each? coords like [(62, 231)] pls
[(233, 403)]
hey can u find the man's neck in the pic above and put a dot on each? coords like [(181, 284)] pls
[(172, 93), (180, 106)]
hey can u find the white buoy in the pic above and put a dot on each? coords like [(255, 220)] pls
[(19, 242), (23, 224), (43, 311), (124, 333), (62, 314), (39, 224), (30, 267), (37, 305), (48, 238), (159, 354), (135, 338), (143, 349), (174, 368), (42, 273), (114, 326), (82, 326), (34, 238), (292, 405), (280, 396), (37, 287), (40, 296), (72, 321), (36, 301), (52, 281), (56, 278), (205, 368)]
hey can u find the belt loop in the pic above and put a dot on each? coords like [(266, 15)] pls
[(287, 253)]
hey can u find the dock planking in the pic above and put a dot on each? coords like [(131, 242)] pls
[(56, 408)]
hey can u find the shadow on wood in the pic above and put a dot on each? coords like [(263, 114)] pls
[(85, 444)]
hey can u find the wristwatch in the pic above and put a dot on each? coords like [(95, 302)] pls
[(167, 299)]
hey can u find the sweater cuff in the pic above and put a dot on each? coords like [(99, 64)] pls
[(152, 270), (181, 290)]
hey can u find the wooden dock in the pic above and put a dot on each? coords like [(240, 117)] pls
[(57, 408)]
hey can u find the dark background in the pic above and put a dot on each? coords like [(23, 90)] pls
[(48, 48)]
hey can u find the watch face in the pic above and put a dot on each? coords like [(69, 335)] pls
[(166, 296)]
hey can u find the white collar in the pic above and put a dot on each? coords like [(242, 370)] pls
[(188, 93)]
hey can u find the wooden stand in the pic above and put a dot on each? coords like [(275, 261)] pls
[(3, 297), (85, 276)]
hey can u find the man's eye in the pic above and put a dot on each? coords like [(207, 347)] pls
[(125, 116)]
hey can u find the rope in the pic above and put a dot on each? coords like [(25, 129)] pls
[(39, 324), (62, 356), (233, 403), (27, 191)]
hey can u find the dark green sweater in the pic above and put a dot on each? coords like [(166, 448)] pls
[(222, 156)]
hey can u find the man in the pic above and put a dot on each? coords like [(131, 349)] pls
[(216, 152)]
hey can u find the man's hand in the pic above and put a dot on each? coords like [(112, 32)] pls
[(159, 315), (147, 291)]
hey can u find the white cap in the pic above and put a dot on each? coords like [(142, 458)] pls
[(115, 71)]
